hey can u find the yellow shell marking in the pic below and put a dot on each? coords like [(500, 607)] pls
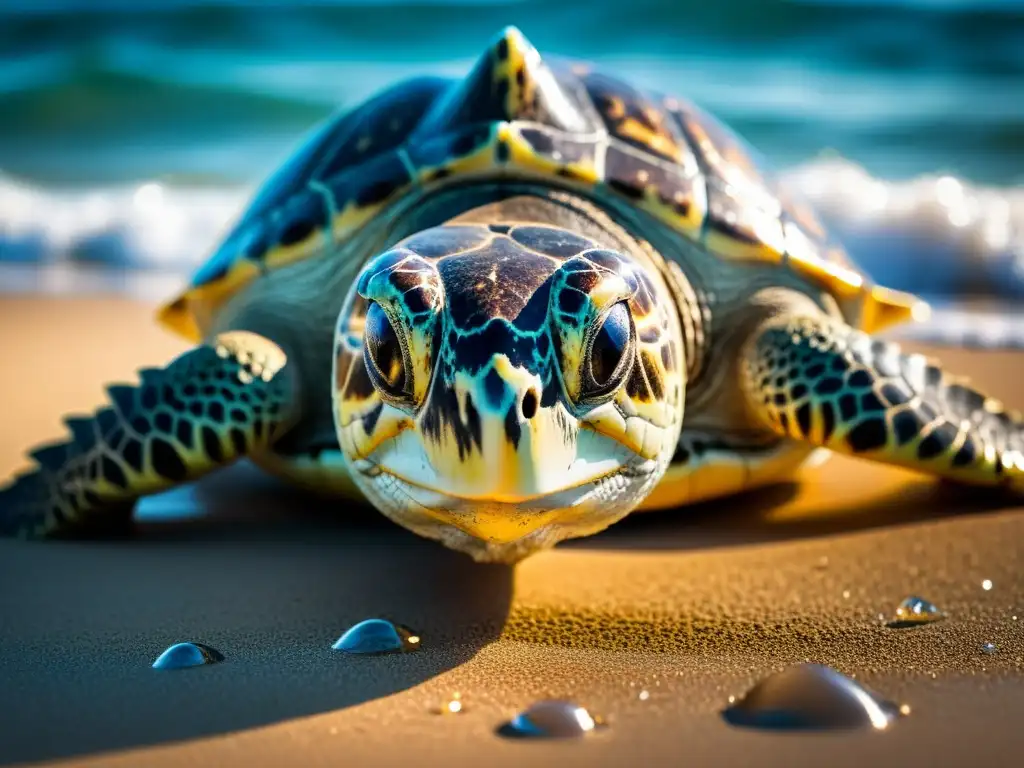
[(352, 217), (282, 255), (479, 160), (522, 155), (690, 222), (657, 141), (768, 241), (193, 311), (885, 307), (521, 57), (843, 283)]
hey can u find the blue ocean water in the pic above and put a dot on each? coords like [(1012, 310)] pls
[(133, 132)]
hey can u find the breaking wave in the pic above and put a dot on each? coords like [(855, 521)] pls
[(959, 245)]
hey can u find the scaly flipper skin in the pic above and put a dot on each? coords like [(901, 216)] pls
[(816, 379), (207, 408)]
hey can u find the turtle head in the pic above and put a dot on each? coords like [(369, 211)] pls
[(503, 387)]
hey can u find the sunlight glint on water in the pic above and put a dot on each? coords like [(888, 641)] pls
[(374, 636), (550, 719), (914, 611)]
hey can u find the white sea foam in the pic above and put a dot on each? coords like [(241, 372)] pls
[(936, 235), (143, 226)]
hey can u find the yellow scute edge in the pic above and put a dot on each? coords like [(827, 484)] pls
[(885, 307), (183, 315)]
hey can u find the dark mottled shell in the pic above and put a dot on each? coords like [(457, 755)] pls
[(516, 114)]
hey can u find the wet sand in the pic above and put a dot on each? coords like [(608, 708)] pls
[(692, 606)]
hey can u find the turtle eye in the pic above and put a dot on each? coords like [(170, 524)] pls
[(385, 356), (607, 361)]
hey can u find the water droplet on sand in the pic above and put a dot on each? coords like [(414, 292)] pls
[(989, 648), (914, 611), (377, 636), (644, 695), (552, 719), (185, 655), (904, 710), (452, 706), (810, 697), (986, 584)]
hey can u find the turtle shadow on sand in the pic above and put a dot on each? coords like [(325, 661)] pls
[(268, 576)]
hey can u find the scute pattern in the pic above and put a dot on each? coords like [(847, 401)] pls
[(357, 194), (743, 211), (753, 217), (637, 120), (664, 190), (516, 115), (555, 275), (380, 125), (466, 150)]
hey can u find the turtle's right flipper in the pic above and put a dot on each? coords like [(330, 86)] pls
[(207, 408)]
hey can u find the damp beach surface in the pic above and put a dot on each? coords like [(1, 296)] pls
[(652, 626)]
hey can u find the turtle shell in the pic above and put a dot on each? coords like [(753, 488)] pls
[(516, 115)]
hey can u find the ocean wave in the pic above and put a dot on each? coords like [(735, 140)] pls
[(961, 246), (96, 92), (935, 235), (144, 226)]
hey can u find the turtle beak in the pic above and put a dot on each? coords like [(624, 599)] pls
[(489, 457)]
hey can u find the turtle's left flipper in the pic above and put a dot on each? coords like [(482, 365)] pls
[(816, 379), (207, 408)]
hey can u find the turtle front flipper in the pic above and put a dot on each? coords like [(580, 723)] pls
[(818, 380), (207, 408)]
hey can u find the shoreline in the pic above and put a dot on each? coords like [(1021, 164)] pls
[(690, 605)]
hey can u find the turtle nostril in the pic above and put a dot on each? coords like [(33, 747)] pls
[(529, 404)]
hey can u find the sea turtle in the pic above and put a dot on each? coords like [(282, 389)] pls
[(482, 304)]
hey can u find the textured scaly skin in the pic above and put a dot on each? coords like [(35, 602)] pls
[(815, 379), (207, 408), (491, 315)]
